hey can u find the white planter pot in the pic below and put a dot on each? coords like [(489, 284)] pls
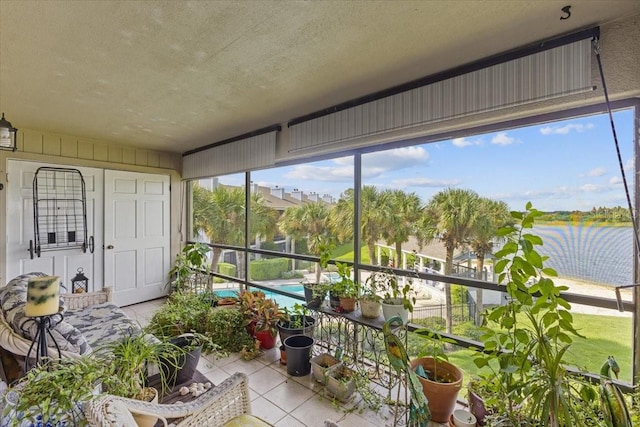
[(395, 307), (370, 309), (321, 364), (463, 418), (340, 382)]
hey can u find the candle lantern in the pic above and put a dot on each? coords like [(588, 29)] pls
[(80, 283), (43, 311)]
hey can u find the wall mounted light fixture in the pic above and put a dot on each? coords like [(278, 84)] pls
[(7, 135)]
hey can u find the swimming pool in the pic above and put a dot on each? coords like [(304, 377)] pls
[(282, 300)]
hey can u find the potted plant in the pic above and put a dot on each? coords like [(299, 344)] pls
[(346, 288), (484, 395), (127, 362), (527, 338), (441, 381), (369, 298), (190, 262), (398, 298), (298, 322), (32, 398), (315, 293), (261, 316), (320, 364), (463, 418), (341, 382)]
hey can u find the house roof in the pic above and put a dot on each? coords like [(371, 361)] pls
[(176, 75)]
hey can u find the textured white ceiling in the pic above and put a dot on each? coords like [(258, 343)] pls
[(175, 75)]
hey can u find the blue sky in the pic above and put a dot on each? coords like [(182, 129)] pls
[(565, 165)]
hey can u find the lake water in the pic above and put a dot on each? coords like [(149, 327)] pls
[(597, 254)]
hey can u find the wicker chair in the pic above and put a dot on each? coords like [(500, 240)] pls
[(224, 403)]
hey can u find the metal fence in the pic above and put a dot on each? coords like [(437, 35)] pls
[(459, 312)]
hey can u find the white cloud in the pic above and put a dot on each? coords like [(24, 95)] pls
[(563, 130), (629, 165), (615, 180), (321, 173), (425, 182), (590, 188), (373, 165), (597, 172), (463, 142), (502, 139)]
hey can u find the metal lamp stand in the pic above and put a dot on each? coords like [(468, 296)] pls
[(44, 325)]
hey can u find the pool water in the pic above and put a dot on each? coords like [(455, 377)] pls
[(283, 301)]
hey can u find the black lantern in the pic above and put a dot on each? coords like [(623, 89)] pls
[(7, 135), (80, 283)]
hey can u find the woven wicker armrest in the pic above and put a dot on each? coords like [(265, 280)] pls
[(213, 408), (86, 299)]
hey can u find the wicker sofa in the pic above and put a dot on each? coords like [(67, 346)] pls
[(90, 320)]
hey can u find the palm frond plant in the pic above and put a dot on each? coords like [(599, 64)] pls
[(129, 359)]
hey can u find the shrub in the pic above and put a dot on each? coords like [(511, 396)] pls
[(218, 325), (226, 269), (268, 269)]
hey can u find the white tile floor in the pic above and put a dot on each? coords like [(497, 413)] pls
[(276, 397)]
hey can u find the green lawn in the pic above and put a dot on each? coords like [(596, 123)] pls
[(604, 336), (345, 253)]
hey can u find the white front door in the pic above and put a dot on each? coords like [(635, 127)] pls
[(20, 228), (136, 235)]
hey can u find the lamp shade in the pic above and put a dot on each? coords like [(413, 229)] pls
[(43, 296), (7, 135)]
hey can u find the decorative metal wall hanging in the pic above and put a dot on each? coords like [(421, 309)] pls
[(59, 211)]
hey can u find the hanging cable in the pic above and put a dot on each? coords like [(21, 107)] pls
[(596, 49)]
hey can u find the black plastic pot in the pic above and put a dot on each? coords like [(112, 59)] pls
[(298, 349), (286, 331), (313, 301), (334, 299), (188, 362)]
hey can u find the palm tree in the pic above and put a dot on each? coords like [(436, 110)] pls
[(493, 215), (401, 214), (451, 216), (372, 214), (220, 214), (309, 221)]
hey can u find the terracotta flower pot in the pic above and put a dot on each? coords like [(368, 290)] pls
[(348, 304), (442, 396)]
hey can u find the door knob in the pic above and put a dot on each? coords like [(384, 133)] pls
[(110, 247)]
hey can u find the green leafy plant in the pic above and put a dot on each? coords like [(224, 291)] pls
[(296, 318), (261, 312), (434, 346), (392, 289), (346, 287), (371, 289), (128, 359), (52, 392), (191, 260), (529, 336)]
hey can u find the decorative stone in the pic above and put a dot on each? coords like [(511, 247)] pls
[(183, 391)]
